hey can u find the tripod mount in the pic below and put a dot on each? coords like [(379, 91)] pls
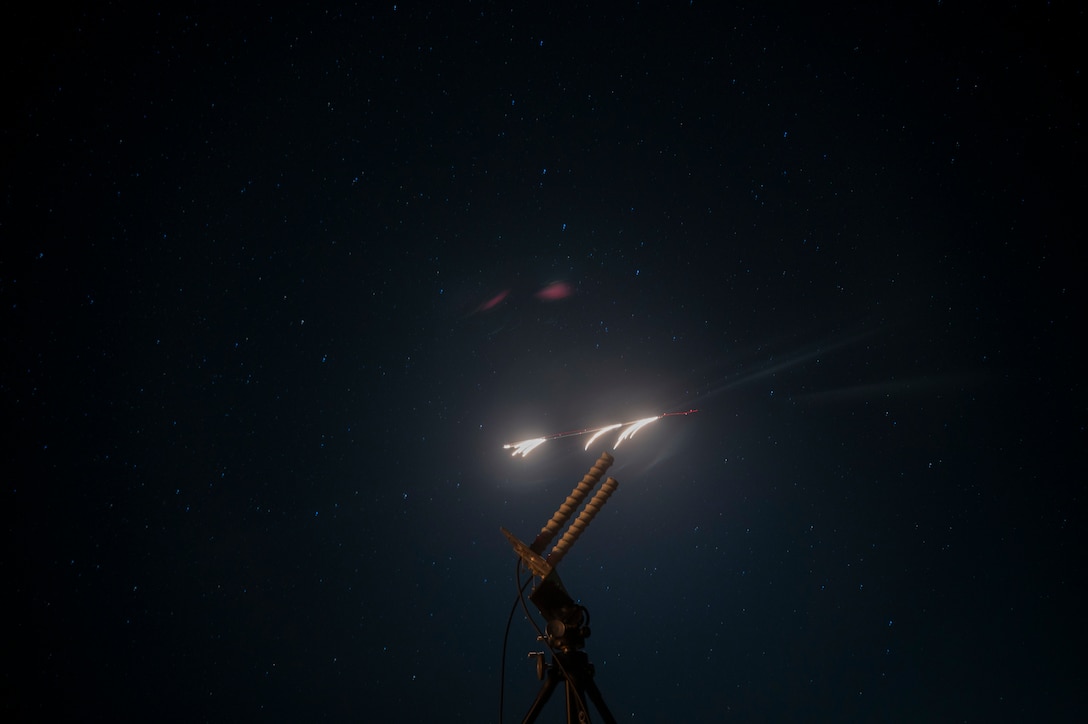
[(566, 622)]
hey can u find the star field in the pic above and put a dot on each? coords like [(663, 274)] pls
[(279, 282)]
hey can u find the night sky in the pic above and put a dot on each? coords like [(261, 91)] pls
[(278, 283)]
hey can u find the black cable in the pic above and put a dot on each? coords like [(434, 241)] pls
[(506, 636)]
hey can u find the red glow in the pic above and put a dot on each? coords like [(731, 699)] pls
[(554, 291), (493, 302)]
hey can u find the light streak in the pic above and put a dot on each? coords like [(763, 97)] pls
[(633, 428), (524, 447), (603, 430)]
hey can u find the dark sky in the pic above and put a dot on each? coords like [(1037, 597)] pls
[(278, 283)]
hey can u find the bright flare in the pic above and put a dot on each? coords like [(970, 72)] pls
[(525, 447), (633, 428)]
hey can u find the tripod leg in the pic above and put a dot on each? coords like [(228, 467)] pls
[(542, 697), (576, 712), (594, 693)]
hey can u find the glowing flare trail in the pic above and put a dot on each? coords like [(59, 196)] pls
[(603, 430), (633, 428), (525, 447)]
